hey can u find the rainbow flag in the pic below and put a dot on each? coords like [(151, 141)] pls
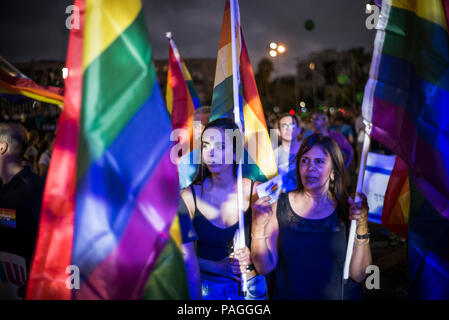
[(396, 208), (259, 163), (13, 82), (181, 95), (111, 194), (407, 95), (406, 100), (182, 100)]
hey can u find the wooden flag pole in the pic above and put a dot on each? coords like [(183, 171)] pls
[(235, 87), (352, 231)]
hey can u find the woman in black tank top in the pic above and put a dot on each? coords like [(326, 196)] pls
[(303, 237), (212, 204)]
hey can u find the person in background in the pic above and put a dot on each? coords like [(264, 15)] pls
[(320, 125), (46, 149), (345, 129), (20, 202), (32, 151), (290, 134), (303, 237), (188, 163)]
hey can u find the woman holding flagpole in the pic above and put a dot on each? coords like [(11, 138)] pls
[(303, 237), (211, 203)]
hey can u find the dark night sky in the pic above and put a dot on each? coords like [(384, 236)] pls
[(36, 29)]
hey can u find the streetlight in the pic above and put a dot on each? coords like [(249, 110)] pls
[(312, 68), (65, 73), (276, 49)]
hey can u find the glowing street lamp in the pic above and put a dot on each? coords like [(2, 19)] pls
[(65, 73), (276, 49), (312, 66)]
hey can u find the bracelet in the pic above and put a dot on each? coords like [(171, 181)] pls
[(258, 238), (363, 236), (362, 242)]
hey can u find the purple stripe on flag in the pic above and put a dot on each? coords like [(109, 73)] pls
[(123, 274), (393, 127)]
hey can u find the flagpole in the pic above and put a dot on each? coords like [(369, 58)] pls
[(235, 87), (353, 229), (169, 36)]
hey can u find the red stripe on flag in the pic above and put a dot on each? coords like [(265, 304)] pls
[(182, 108), (55, 238), (250, 92), (392, 213)]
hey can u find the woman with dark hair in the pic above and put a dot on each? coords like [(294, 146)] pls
[(303, 237), (211, 201)]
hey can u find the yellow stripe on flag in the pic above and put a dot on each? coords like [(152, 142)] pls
[(169, 94), (175, 232), (109, 19), (224, 64), (431, 10)]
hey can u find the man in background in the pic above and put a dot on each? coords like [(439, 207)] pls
[(20, 202), (289, 132)]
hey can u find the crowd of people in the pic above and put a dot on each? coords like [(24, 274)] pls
[(294, 248)]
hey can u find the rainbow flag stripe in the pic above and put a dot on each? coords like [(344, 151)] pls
[(180, 89), (259, 163), (181, 96), (407, 95), (182, 100), (112, 191), (396, 208), (15, 83)]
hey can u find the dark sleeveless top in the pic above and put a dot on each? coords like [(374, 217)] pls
[(311, 256), (215, 243)]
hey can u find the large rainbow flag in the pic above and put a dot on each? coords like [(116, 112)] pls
[(406, 100), (111, 194), (259, 163), (13, 83)]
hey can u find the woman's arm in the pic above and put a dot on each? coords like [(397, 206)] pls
[(187, 196), (192, 270), (264, 236), (361, 256), (220, 268)]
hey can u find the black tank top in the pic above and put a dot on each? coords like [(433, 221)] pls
[(215, 243), (311, 256)]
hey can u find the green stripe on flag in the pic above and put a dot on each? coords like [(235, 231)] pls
[(115, 86), (223, 100), (252, 170), (168, 279)]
